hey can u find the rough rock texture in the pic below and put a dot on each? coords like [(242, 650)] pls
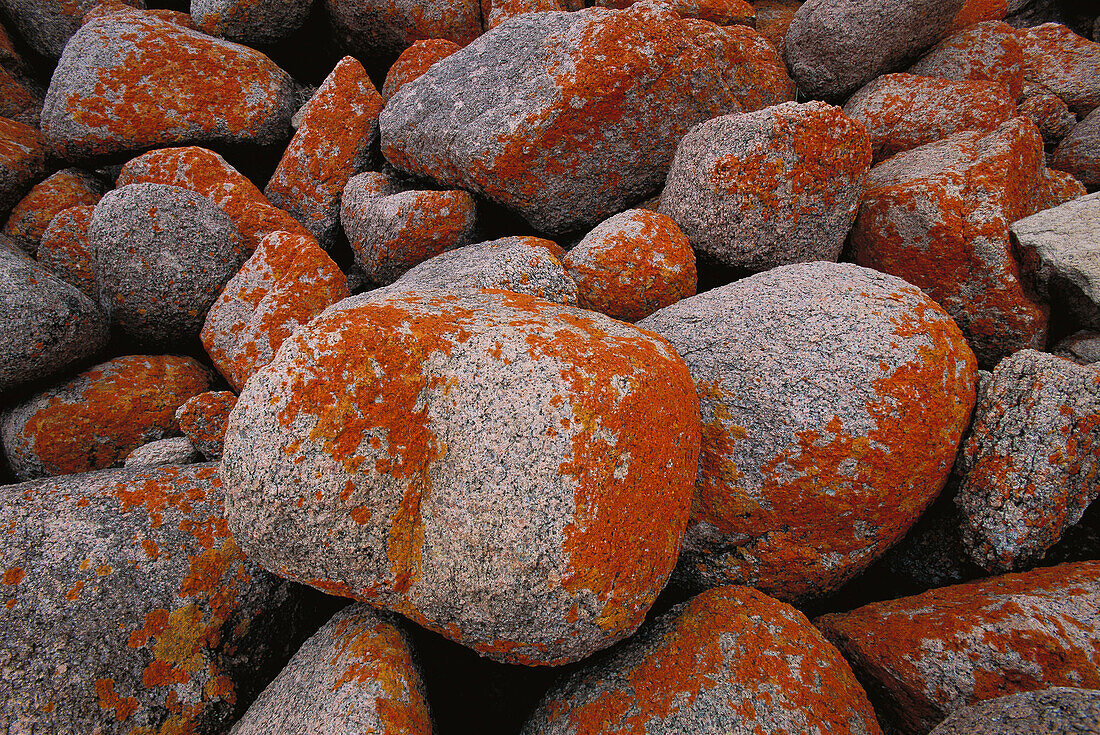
[(203, 419), (1054, 711), (255, 22), (131, 80), (22, 161), (570, 117), (386, 27), (438, 455), (773, 19), (287, 281), (337, 129), (1047, 110), (64, 250), (526, 265), (1079, 152), (1059, 253), (96, 419), (979, 11), (393, 230), (162, 254), (938, 217), (414, 61), (988, 51), (769, 188), (20, 93), (49, 326), (632, 264), (68, 187), (1032, 459), (128, 608), (922, 658), (729, 660), (175, 450), (205, 172), (47, 25), (834, 47), (1082, 347), (1063, 62), (903, 111), (355, 675), (833, 399)]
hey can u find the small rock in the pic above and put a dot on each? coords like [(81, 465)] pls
[(1054, 711), (203, 418), (1063, 62), (22, 162), (1079, 152), (386, 27), (250, 22), (176, 450), (1082, 347), (1047, 110), (69, 187), (414, 61), (989, 51), (65, 251)]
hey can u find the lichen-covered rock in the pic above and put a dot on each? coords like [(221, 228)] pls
[(768, 188), (718, 12), (414, 61), (131, 80), (338, 127), (287, 281), (205, 172), (355, 675), (989, 51), (496, 12), (774, 18), (1079, 152), (925, 657), (68, 187), (175, 450), (255, 22), (1031, 459), (47, 25), (834, 47), (1048, 111), (1082, 347), (96, 419), (631, 265), (833, 400), (64, 250), (203, 419), (903, 111), (162, 255), (1063, 62), (526, 265), (22, 161), (570, 117), (392, 230), (513, 474), (127, 607), (20, 93), (979, 11), (49, 326), (729, 660), (1053, 711), (387, 27), (938, 217)]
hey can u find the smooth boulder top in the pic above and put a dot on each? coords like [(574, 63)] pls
[(511, 473)]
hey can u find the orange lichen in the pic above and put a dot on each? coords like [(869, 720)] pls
[(203, 418), (65, 250), (986, 51), (414, 61), (14, 576), (66, 188), (977, 11), (123, 707)]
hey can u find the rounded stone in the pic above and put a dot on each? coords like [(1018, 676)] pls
[(414, 61), (64, 250), (1054, 711), (68, 187), (833, 400), (22, 161), (989, 51), (249, 21), (386, 27), (513, 474), (175, 450), (203, 418)]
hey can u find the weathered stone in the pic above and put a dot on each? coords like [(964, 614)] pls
[(513, 474), (773, 19), (718, 12), (255, 22), (769, 188), (64, 250), (203, 418), (287, 281), (729, 660), (1054, 711), (496, 12), (979, 11), (833, 400), (22, 162), (356, 674), (989, 51), (923, 658), (1082, 347), (47, 25), (175, 450), (386, 28), (414, 61), (1063, 62), (1047, 110), (1079, 152), (69, 187), (535, 116)]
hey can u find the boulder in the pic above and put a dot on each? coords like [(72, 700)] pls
[(1053, 711), (989, 51), (414, 61), (203, 418), (1063, 62), (22, 161), (833, 400), (68, 187), (20, 93), (1047, 110), (64, 250), (250, 22), (513, 474), (496, 12), (1079, 152), (386, 27), (979, 11), (47, 25), (774, 18), (175, 450), (1082, 347)]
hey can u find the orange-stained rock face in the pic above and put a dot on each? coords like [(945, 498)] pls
[(203, 419), (719, 12), (69, 187), (64, 249), (414, 61), (1048, 111), (511, 473), (1063, 62), (728, 658), (205, 172), (773, 19), (496, 12), (927, 656), (979, 11), (631, 265), (989, 51), (100, 416), (287, 281), (22, 161), (938, 217)]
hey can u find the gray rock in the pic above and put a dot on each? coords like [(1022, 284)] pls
[(49, 326), (128, 607), (355, 675), (833, 399), (990, 50), (47, 25), (834, 47), (533, 115), (22, 162), (175, 450), (769, 188), (511, 473), (1079, 152), (162, 254), (1082, 347), (1030, 460), (248, 21), (1054, 711), (1058, 250), (386, 27)]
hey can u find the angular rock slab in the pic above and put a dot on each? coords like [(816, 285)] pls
[(1079, 152), (513, 474), (833, 400), (925, 657), (175, 450), (533, 115), (1054, 711), (1063, 62)]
